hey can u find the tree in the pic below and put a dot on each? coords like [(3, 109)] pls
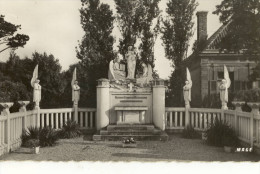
[(244, 32), (51, 79), (150, 12), (176, 33), (7, 37), (135, 20), (96, 48), (129, 22)]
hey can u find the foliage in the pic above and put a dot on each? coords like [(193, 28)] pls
[(176, 83), (129, 19), (70, 130), (135, 20), (17, 73), (31, 133), (221, 134), (8, 36), (176, 33), (244, 32), (32, 143), (30, 106), (96, 48), (48, 136), (11, 91), (190, 133), (251, 95), (177, 29), (15, 107)]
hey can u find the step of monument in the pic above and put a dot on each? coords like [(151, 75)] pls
[(130, 132), (130, 127), (162, 137)]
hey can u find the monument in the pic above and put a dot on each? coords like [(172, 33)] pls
[(130, 105)]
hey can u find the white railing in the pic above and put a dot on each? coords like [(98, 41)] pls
[(175, 118), (56, 118), (11, 127), (246, 125), (13, 124), (201, 119)]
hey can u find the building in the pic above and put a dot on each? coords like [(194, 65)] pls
[(206, 65)]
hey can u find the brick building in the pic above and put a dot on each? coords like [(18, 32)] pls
[(206, 66)]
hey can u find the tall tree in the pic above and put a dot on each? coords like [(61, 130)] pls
[(138, 21), (176, 33), (8, 36), (150, 15), (129, 22), (96, 48)]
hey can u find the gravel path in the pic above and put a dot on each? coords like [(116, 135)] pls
[(176, 149)]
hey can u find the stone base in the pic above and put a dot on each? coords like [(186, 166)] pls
[(138, 132)]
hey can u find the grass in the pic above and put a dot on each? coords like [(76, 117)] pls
[(176, 149)]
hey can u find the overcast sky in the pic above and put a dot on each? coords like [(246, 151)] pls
[(54, 27)]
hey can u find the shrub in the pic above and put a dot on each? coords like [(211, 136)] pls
[(190, 133), (30, 133), (48, 136), (30, 106), (70, 130), (221, 134)]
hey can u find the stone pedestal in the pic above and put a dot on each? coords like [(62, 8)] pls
[(102, 104), (238, 105), (159, 103)]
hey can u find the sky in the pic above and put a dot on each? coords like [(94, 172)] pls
[(54, 27)]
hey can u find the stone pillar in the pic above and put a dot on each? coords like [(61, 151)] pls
[(238, 105), (38, 119), (102, 104), (254, 106), (159, 103)]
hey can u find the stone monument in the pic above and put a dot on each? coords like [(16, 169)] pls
[(130, 105)]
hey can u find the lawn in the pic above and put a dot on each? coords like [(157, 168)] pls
[(176, 149)]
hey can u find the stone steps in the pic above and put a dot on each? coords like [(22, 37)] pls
[(138, 132)]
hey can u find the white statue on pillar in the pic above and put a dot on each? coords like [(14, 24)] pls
[(36, 88), (75, 89), (225, 84), (131, 62), (187, 89)]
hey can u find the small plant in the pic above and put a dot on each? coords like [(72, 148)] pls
[(129, 140), (190, 133), (30, 133), (48, 136), (70, 130), (32, 143), (221, 134)]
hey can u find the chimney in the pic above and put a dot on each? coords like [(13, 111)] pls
[(202, 25)]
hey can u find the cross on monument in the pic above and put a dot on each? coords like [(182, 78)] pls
[(130, 85)]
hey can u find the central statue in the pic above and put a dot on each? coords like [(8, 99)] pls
[(131, 62)]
